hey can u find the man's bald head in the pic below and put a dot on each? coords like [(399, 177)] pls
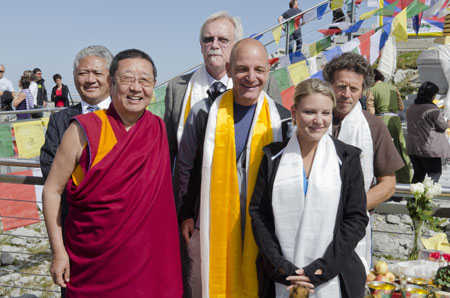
[(249, 70), (248, 44)]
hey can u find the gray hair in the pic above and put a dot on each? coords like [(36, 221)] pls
[(98, 51), (236, 21)]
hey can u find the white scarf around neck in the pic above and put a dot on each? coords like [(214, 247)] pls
[(304, 225), (208, 152), (197, 87), (355, 131)]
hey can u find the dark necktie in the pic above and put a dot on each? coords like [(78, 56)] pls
[(216, 90), (92, 108)]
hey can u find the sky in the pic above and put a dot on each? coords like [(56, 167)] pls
[(48, 34)]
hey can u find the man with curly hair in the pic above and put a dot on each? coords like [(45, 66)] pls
[(351, 75)]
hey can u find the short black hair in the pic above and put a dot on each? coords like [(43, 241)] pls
[(36, 70), (129, 54), (427, 92), (56, 76), (378, 75)]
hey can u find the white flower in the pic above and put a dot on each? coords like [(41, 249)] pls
[(427, 182), (417, 188), (429, 194), (436, 189)]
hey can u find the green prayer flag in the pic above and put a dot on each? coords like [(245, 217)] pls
[(415, 8), (157, 108), (6, 141), (282, 77), (160, 93), (323, 44), (388, 10), (291, 26)]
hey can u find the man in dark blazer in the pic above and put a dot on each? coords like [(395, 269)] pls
[(218, 35), (91, 75)]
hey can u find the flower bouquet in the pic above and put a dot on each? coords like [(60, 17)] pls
[(420, 209)]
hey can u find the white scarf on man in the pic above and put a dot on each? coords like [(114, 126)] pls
[(355, 131), (197, 87), (304, 225), (208, 152)]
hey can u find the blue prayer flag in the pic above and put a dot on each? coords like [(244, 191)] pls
[(334, 52), (355, 27), (321, 10), (296, 57)]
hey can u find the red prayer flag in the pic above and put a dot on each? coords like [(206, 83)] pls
[(328, 32), (273, 60), (18, 203), (287, 97), (297, 22)]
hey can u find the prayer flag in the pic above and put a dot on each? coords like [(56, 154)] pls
[(329, 32), (388, 60), (399, 25), (312, 65), (385, 34), (335, 4), (6, 141), (350, 45), (312, 49), (285, 61), (434, 9), (157, 108), (297, 21), (18, 204), (309, 16), (372, 3), (375, 46), (296, 57), (291, 26), (368, 14), (29, 138), (355, 27), (321, 10), (323, 44), (277, 34), (415, 8), (318, 75), (299, 72), (257, 37), (387, 10), (282, 77), (364, 44), (273, 61), (417, 20), (287, 97), (334, 52)]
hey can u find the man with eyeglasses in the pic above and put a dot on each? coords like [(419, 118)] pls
[(121, 237), (218, 35), (5, 84)]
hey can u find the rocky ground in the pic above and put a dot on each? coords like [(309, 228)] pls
[(25, 262)]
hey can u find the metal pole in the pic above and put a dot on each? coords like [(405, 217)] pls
[(287, 38)]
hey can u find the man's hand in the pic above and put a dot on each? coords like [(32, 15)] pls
[(44, 104), (60, 269), (301, 280), (187, 228)]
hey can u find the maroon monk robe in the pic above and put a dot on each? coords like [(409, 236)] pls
[(121, 232)]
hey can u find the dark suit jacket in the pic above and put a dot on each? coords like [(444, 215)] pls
[(176, 88), (57, 125)]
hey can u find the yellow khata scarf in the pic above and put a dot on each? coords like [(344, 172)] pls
[(232, 270)]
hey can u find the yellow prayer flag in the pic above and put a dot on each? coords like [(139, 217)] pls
[(29, 138), (335, 4), (399, 26), (45, 121), (277, 34), (368, 14), (312, 50), (299, 72)]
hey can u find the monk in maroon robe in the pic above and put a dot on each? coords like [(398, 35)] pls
[(121, 236)]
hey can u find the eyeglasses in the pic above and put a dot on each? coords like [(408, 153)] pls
[(2, 71), (144, 82), (221, 40)]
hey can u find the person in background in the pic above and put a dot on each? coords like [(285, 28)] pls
[(307, 229), (296, 37), (60, 93), (5, 84), (24, 99), (385, 101), (33, 85), (426, 142), (41, 99)]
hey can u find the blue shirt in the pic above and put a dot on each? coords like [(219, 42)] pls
[(243, 117)]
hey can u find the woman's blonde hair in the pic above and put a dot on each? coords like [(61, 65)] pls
[(312, 86)]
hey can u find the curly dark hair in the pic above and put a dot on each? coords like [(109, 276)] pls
[(352, 62)]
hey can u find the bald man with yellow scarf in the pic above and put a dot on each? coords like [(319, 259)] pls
[(219, 157)]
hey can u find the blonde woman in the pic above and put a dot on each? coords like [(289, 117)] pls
[(309, 205)]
